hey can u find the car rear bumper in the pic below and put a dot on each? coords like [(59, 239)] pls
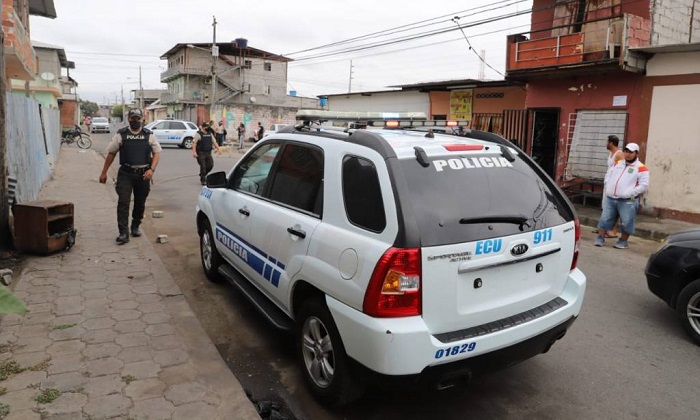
[(405, 346)]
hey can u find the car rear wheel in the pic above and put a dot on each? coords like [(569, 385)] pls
[(211, 259), (322, 356), (688, 308), (186, 143)]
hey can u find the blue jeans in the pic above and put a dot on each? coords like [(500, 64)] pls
[(624, 208)]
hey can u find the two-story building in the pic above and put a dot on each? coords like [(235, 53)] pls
[(229, 81), (46, 85), (585, 66)]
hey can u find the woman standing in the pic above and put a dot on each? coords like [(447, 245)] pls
[(241, 136)]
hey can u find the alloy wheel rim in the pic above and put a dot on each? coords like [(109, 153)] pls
[(317, 349), (206, 250), (693, 312)]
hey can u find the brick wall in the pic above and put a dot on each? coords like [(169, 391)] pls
[(675, 22), (17, 34), (69, 113)]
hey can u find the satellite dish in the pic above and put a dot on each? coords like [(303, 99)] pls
[(252, 99), (48, 76)]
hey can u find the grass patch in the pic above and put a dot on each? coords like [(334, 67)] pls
[(128, 379), (8, 369), (4, 410), (41, 366), (63, 326), (48, 396)]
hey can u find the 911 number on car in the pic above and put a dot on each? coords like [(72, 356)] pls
[(455, 350)]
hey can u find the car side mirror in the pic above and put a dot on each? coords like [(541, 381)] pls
[(216, 180)]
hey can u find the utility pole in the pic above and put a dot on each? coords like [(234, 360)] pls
[(123, 113), (140, 93), (482, 67), (214, 57), (350, 81), (4, 205)]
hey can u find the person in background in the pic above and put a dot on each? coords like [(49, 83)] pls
[(221, 133), (261, 131), (202, 145), (139, 153), (614, 155), (241, 135), (628, 179)]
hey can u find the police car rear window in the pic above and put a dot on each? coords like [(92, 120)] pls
[(473, 197)]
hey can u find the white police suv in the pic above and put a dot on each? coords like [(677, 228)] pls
[(393, 253)]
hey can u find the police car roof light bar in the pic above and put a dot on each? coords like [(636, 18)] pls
[(354, 116)]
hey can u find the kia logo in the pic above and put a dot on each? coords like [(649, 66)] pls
[(519, 249)]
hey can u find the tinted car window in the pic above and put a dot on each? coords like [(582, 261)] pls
[(160, 126), (252, 174), (477, 197), (176, 125), (362, 194), (191, 126), (298, 178)]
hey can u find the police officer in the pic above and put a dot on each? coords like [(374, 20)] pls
[(201, 150), (139, 152)]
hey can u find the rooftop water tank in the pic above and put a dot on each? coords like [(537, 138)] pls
[(292, 93), (241, 42)]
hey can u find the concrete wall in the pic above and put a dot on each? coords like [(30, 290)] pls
[(675, 21), (31, 150), (400, 101), (673, 148), (673, 63)]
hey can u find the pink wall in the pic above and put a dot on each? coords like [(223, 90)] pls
[(591, 93)]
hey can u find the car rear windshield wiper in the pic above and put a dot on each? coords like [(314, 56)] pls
[(516, 220)]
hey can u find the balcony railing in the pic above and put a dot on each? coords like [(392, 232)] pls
[(175, 71), (601, 40)]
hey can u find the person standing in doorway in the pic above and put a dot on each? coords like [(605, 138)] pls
[(261, 131), (241, 136), (202, 145), (628, 179), (139, 153)]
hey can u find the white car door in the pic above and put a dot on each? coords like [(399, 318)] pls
[(283, 225), (176, 131), (159, 130), (237, 210)]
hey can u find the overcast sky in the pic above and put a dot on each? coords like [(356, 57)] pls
[(109, 39)]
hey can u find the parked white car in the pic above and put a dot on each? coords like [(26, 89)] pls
[(177, 132), (99, 124)]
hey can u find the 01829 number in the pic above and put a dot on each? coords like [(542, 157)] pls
[(453, 351)]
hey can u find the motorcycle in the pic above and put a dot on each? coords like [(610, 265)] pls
[(76, 135)]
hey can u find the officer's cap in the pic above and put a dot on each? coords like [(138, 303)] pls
[(135, 113)]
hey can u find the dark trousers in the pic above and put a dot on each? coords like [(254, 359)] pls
[(128, 181), (206, 164)]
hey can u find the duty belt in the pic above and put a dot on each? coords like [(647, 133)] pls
[(130, 168)]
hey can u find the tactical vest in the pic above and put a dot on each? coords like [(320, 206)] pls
[(205, 142), (135, 150)]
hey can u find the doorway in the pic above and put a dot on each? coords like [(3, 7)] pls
[(545, 129)]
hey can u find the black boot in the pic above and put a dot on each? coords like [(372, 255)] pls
[(135, 232), (122, 238)]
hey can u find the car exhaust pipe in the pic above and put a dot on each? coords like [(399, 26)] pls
[(453, 381)]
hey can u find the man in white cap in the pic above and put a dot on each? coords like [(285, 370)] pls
[(627, 180)]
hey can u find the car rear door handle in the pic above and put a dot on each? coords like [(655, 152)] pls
[(295, 232), (244, 212)]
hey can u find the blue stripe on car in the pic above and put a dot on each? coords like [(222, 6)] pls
[(255, 258)]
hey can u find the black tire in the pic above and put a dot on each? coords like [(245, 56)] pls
[(688, 307), (322, 357), (84, 141), (211, 259), (186, 143)]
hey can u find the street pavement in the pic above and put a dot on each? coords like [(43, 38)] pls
[(108, 331)]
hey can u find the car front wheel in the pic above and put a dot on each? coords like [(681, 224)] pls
[(322, 356), (187, 143), (688, 308), (211, 259)]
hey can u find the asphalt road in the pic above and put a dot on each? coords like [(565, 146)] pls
[(625, 357)]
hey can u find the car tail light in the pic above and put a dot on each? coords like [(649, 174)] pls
[(394, 289), (577, 241)]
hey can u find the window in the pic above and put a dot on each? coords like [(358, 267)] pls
[(191, 126), (251, 176), (266, 90), (161, 125), (268, 66), (247, 64), (298, 178), (176, 125), (362, 194)]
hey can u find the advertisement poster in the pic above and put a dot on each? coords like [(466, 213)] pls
[(461, 104)]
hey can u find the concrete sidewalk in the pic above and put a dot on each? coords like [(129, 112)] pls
[(646, 227), (109, 332)]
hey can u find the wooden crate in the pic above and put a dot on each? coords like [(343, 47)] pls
[(42, 227)]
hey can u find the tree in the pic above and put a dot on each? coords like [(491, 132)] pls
[(117, 111), (88, 109)]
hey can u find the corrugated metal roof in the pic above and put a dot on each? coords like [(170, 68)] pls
[(43, 8)]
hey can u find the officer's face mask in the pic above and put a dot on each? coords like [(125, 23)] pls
[(135, 123)]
